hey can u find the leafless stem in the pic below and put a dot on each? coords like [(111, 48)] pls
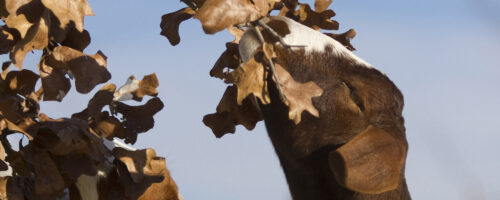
[(271, 66)]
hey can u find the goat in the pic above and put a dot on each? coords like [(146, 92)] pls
[(357, 147)]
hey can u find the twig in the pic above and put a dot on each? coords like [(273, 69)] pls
[(271, 65)]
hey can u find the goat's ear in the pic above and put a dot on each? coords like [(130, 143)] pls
[(370, 163)]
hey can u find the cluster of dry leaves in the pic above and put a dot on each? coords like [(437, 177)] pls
[(239, 104), (60, 151)]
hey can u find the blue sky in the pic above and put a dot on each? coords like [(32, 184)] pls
[(443, 55)]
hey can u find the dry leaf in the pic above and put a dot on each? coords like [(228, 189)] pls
[(137, 119), (229, 114), (134, 89), (167, 189), (61, 137), (10, 108), (89, 70), (54, 82), (37, 37), (344, 38), (322, 5), (141, 169), (250, 78), (48, 180), (22, 14), (236, 32), (315, 19), (101, 98), (109, 127), (229, 59), (216, 15), (6, 40), (170, 24), (69, 10), (299, 95), (21, 82), (75, 39)]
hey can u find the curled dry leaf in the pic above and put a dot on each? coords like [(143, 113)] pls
[(344, 38), (6, 40), (134, 89), (217, 15), (10, 108), (137, 119), (48, 180), (229, 113), (229, 59), (137, 162), (54, 82), (75, 39), (236, 32), (299, 95), (21, 82), (37, 37), (170, 24), (144, 170), (109, 127), (250, 78), (89, 70), (61, 137), (69, 10), (322, 5), (22, 14), (315, 19), (101, 98)]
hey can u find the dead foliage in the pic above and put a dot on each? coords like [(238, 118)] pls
[(249, 80), (60, 152)]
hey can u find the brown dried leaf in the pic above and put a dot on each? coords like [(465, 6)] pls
[(236, 32), (11, 188), (69, 10), (75, 39), (21, 82), (250, 78), (89, 70), (216, 15), (54, 82), (109, 127), (22, 14), (170, 24), (10, 108), (137, 172), (137, 119), (299, 95), (48, 180), (322, 5), (37, 37), (229, 114), (61, 136), (344, 38), (101, 98), (134, 89), (6, 40), (137, 162), (167, 189), (230, 59), (317, 20)]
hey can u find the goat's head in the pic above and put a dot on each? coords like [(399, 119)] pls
[(356, 139)]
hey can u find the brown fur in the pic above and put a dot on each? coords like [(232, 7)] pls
[(354, 97)]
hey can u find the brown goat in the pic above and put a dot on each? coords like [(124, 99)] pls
[(357, 147)]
